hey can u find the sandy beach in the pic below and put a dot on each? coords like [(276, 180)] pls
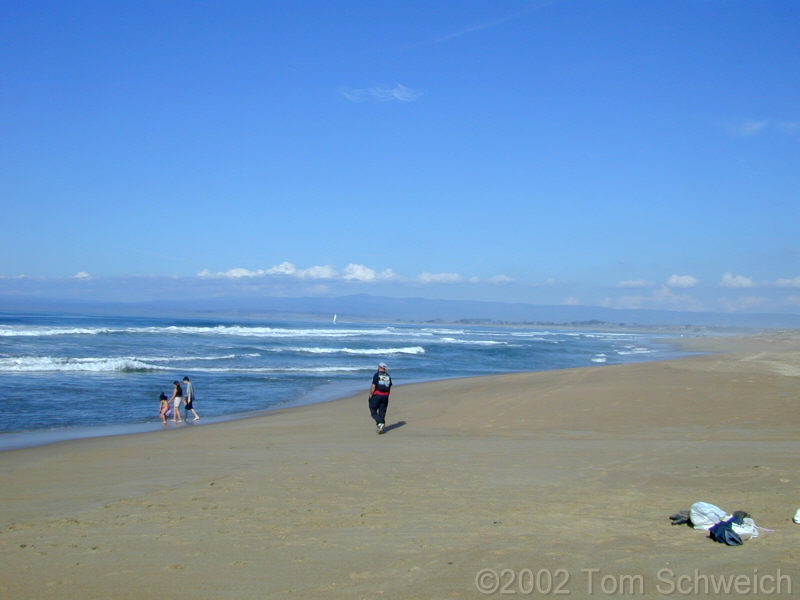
[(532, 484)]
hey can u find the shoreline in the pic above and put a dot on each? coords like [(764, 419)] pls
[(18, 440), (565, 472), (333, 391)]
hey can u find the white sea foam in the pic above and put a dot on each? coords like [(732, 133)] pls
[(635, 350), (449, 340), (609, 335), (32, 364), (32, 331), (278, 370), (86, 365), (533, 334), (599, 358), (355, 351), (539, 336), (229, 330), (189, 358), (277, 332), (444, 331)]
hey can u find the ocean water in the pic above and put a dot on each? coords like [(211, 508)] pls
[(64, 376)]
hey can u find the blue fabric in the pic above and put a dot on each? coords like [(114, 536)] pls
[(723, 532)]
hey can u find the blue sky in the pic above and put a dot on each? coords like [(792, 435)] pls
[(631, 154)]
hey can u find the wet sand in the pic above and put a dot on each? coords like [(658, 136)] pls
[(567, 476)]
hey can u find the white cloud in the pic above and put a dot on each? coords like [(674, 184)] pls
[(82, 275), (736, 281), (500, 279), (359, 273), (681, 281), (571, 301), (353, 272), (440, 277), (240, 273), (236, 273), (285, 268), (398, 93), (789, 283), (635, 283), (318, 272)]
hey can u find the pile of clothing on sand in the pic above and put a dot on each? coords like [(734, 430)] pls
[(731, 529)]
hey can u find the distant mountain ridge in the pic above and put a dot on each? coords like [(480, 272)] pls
[(368, 307)]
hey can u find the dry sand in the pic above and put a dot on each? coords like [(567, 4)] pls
[(569, 476)]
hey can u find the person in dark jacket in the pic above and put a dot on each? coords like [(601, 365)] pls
[(175, 400), (379, 396)]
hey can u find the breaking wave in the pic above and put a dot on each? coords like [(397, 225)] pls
[(218, 330), (31, 364), (355, 351), (450, 340)]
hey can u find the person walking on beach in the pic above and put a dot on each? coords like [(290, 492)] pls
[(176, 399), (188, 399), (379, 396)]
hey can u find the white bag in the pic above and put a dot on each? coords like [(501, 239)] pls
[(748, 530), (704, 515)]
